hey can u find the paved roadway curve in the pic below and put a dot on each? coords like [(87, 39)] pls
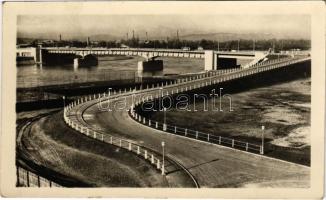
[(211, 165)]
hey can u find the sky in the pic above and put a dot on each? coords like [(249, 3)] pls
[(72, 26)]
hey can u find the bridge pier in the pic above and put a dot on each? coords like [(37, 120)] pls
[(213, 61), (150, 68), (85, 61)]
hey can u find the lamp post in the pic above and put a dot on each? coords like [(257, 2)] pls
[(163, 169), (262, 140), (164, 124), (64, 105)]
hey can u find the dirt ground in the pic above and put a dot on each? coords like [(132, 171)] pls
[(55, 146), (284, 110)]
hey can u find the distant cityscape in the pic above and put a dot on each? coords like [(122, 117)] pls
[(199, 42)]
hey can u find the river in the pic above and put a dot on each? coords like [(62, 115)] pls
[(109, 68)]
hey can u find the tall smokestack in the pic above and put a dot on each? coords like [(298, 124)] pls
[(88, 41), (60, 37)]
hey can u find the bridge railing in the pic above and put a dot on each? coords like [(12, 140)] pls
[(26, 178), (174, 87), (153, 157), (198, 81), (197, 135)]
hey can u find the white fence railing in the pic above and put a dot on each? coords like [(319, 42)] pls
[(170, 88), (147, 154), (198, 135)]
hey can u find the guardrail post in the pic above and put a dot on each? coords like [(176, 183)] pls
[(125, 90), (144, 120), (247, 146), (94, 134), (120, 144), (164, 127), (102, 137), (158, 164), (152, 158), (208, 137), (185, 132), (145, 156), (111, 140), (149, 122), (87, 132), (261, 150), (232, 142), (175, 129), (129, 146), (219, 140), (156, 125), (138, 150), (196, 134)]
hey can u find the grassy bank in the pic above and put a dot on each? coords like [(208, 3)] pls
[(51, 144)]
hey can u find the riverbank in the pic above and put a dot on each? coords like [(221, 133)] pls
[(283, 108)]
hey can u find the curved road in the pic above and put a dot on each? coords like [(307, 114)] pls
[(212, 166)]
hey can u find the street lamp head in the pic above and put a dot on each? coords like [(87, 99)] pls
[(163, 143)]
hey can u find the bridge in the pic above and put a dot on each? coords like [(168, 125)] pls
[(213, 59), (206, 164)]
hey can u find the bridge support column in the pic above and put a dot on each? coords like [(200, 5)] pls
[(85, 61), (210, 60)]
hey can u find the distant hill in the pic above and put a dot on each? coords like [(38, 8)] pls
[(52, 36), (234, 36), (222, 37)]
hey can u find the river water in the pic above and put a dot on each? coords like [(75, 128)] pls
[(109, 68)]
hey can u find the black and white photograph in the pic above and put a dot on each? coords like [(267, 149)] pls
[(164, 99)]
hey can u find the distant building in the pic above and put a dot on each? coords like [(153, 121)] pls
[(185, 48), (25, 56), (200, 48), (124, 46)]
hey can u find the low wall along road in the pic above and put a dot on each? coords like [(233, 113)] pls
[(207, 165)]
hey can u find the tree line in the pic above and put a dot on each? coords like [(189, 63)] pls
[(276, 44)]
